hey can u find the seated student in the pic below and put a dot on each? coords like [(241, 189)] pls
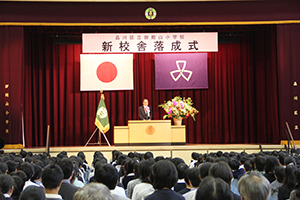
[(204, 169), (6, 186), (93, 191), (213, 188), (275, 185), (194, 160), (129, 174), (18, 187), (163, 177), (289, 182), (52, 177), (223, 171), (11, 166), (181, 169), (137, 180), (187, 183), (237, 172), (271, 164), (295, 194), (36, 178), (145, 188), (33, 193), (29, 171), (194, 181), (259, 164), (108, 175), (3, 168), (67, 190)]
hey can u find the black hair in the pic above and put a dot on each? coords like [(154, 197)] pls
[(279, 172), (148, 155), (204, 169), (181, 168), (27, 168), (52, 175), (129, 166), (219, 153), (248, 165), (163, 174), (158, 158), (18, 187), (121, 158), (145, 169), (289, 178), (260, 163), (176, 161), (281, 156), (193, 176), (67, 167), (288, 160), (37, 172), (213, 189), (3, 167), (271, 164), (81, 155), (107, 175), (221, 170), (21, 174), (62, 154), (33, 193), (6, 183), (234, 164), (195, 155)]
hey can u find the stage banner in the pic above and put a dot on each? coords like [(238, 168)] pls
[(106, 72), (102, 121), (181, 71), (149, 42)]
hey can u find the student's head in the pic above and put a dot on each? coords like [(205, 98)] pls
[(163, 174), (234, 164), (260, 163), (11, 166), (129, 166), (52, 176), (93, 191), (289, 160), (18, 187), (248, 166), (213, 189), (33, 193), (193, 176), (271, 164), (221, 170), (204, 169), (6, 183), (145, 169), (106, 174), (181, 169), (66, 165), (37, 172), (281, 156), (254, 186), (21, 174), (289, 178), (3, 168), (27, 168), (148, 155), (279, 173)]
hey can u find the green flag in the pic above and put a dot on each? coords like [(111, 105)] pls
[(101, 120)]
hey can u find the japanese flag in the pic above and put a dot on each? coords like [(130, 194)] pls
[(106, 72)]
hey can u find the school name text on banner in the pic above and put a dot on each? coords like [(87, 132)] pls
[(149, 42)]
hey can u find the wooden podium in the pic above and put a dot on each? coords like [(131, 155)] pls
[(145, 132)]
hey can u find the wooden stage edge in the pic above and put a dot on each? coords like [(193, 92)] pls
[(182, 151)]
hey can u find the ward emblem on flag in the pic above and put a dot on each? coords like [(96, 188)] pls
[(102, 113), (181, 72)]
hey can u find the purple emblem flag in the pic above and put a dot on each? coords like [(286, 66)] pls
[(181, 71)]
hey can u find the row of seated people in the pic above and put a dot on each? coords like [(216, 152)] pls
[(267, 175)]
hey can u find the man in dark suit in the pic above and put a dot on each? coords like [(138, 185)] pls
[(145, 111)]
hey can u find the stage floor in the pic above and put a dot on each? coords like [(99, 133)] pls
[(182, 151)]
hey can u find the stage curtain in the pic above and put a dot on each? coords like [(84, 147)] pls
[(240, 106)]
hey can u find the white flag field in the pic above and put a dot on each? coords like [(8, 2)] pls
[(106, 72)]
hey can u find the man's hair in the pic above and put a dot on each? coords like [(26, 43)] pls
[(260, 163), (163, 174), (193, 176), (221, 170), (181, 169), (33, 193), (107, 175), (254, 186), (66, 165), (11, 166), (148, 155), (204, 169), (144, 169), (234, 164), (27, 168), (93, 191), (279, 172), (52, 175), (271, 164), (213, 189)]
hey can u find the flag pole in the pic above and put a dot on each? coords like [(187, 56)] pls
[(100, 130)]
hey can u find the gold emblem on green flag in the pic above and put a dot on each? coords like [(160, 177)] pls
[(101, 120)]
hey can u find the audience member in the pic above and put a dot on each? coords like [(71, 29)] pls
[(187, 183), (194, 181), (18, 187), (33, 193), (254, 186), (67, 190), (163, 177), (295, 194), (181, 169), (6, 186), (275, 185), (93, 191), (289, 182), (129, 174), (29, 171), (213, 189), (52, 177)]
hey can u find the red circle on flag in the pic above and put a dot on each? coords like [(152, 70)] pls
[(107, 72)]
